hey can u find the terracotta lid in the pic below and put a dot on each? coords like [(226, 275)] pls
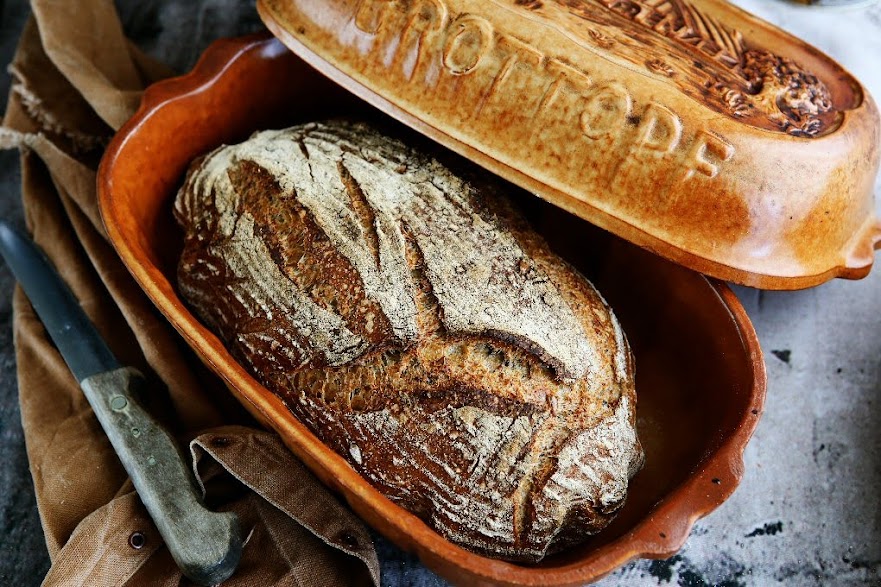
[(688, 127)]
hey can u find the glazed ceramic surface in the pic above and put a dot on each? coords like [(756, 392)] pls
[(688, 127), (700, 374)]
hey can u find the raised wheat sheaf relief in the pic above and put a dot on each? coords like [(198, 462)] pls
[(706, 59)]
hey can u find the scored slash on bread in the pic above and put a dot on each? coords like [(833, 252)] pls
[(420, 328)]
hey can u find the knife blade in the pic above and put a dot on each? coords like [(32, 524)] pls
[(206, 545)]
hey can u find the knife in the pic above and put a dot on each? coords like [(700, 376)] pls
[(206, 545)]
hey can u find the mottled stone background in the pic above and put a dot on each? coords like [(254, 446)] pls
[(807, 512)]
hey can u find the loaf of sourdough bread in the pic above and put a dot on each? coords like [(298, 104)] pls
[(419, 327)]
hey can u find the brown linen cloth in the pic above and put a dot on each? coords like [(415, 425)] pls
[(76, 79)]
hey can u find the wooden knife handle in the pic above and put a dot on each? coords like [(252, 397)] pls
[(206, 545)]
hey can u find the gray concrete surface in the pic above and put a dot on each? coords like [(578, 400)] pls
[(807, 512)]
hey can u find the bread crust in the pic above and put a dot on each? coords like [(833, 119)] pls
[(414, 321)]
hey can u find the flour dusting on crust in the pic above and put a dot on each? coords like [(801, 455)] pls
[(474, 265)]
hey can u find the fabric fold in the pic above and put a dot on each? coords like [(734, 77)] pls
[(84, 40)]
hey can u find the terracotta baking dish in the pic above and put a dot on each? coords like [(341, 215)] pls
[(700, 373)]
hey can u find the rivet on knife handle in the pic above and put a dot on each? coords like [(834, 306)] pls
[(206, 545)]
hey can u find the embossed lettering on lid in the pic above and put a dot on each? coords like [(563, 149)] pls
[(686, 126)]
